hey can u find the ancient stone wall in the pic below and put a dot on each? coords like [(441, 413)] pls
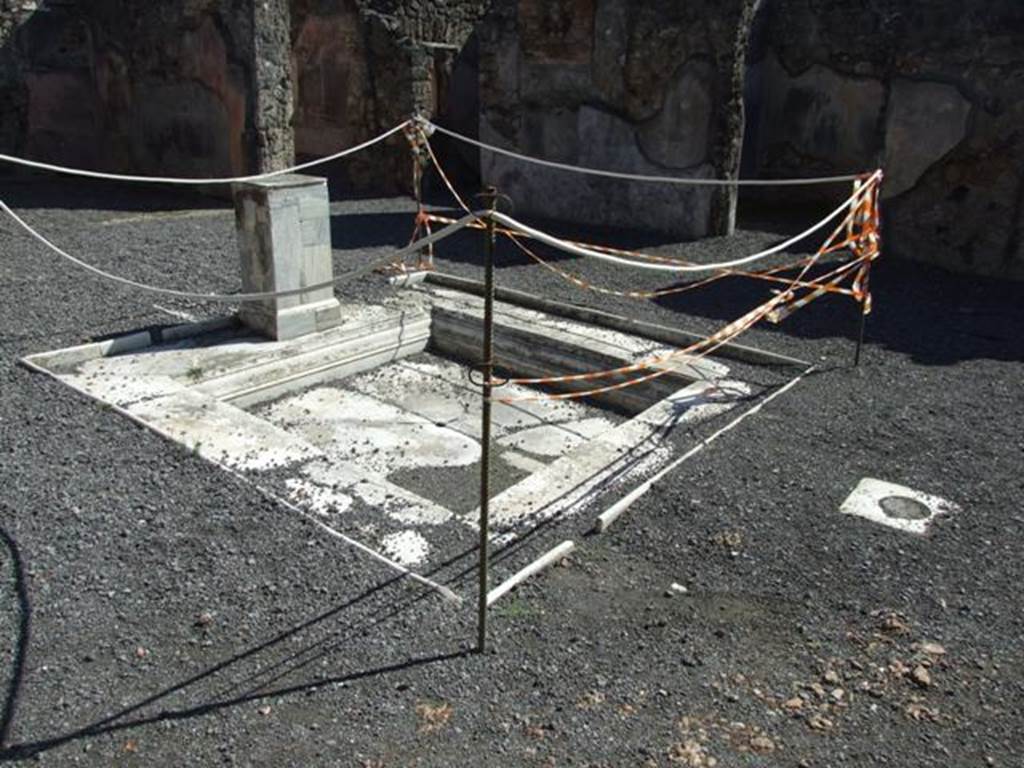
[(362, 66), (647, 88), (352, 80), (13, 96), (208, 87), (934, 92), (438, 22), (149, 87)]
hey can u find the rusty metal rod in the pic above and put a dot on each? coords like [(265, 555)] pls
[(490, 197)]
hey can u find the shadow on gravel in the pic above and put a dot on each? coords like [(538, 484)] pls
[(81, 331), (45, 190), (257, 686), (596, 498), (352, 231), (467, 247), (932, 316), (24, 634)]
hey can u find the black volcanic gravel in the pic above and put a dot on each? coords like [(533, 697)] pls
[(158, 612)]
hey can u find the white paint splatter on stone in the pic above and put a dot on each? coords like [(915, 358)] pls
[(406, 547), (556, 439), (222, 433), (323, 501), (394, 502)]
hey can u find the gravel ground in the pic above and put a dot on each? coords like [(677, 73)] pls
[(158, 612)]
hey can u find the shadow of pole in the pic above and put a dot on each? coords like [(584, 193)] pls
[(24, 635), (32, 749), (121, 719)]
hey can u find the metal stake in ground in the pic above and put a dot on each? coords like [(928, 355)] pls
[(856, 224), (490, 197), (867, 219), (860, 333)]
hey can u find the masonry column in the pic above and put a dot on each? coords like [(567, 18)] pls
[(284, 239), (272, 97)]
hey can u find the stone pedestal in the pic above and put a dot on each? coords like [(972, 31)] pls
[(284, 238)]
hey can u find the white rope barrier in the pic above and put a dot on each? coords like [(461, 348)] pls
[(568, 247), (451, 229), (681, 180), (441, 234), (195, 182)]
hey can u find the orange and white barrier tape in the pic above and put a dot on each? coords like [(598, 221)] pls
[(862, 239), (729, 332), (568, 247)]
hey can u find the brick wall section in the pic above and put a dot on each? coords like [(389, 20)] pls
[(222, 87)]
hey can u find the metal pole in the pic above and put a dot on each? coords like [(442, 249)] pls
[(490, 197), (425, 257), (860, 334), (866, 210)]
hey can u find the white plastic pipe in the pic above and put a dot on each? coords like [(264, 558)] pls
[(549, 558)]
